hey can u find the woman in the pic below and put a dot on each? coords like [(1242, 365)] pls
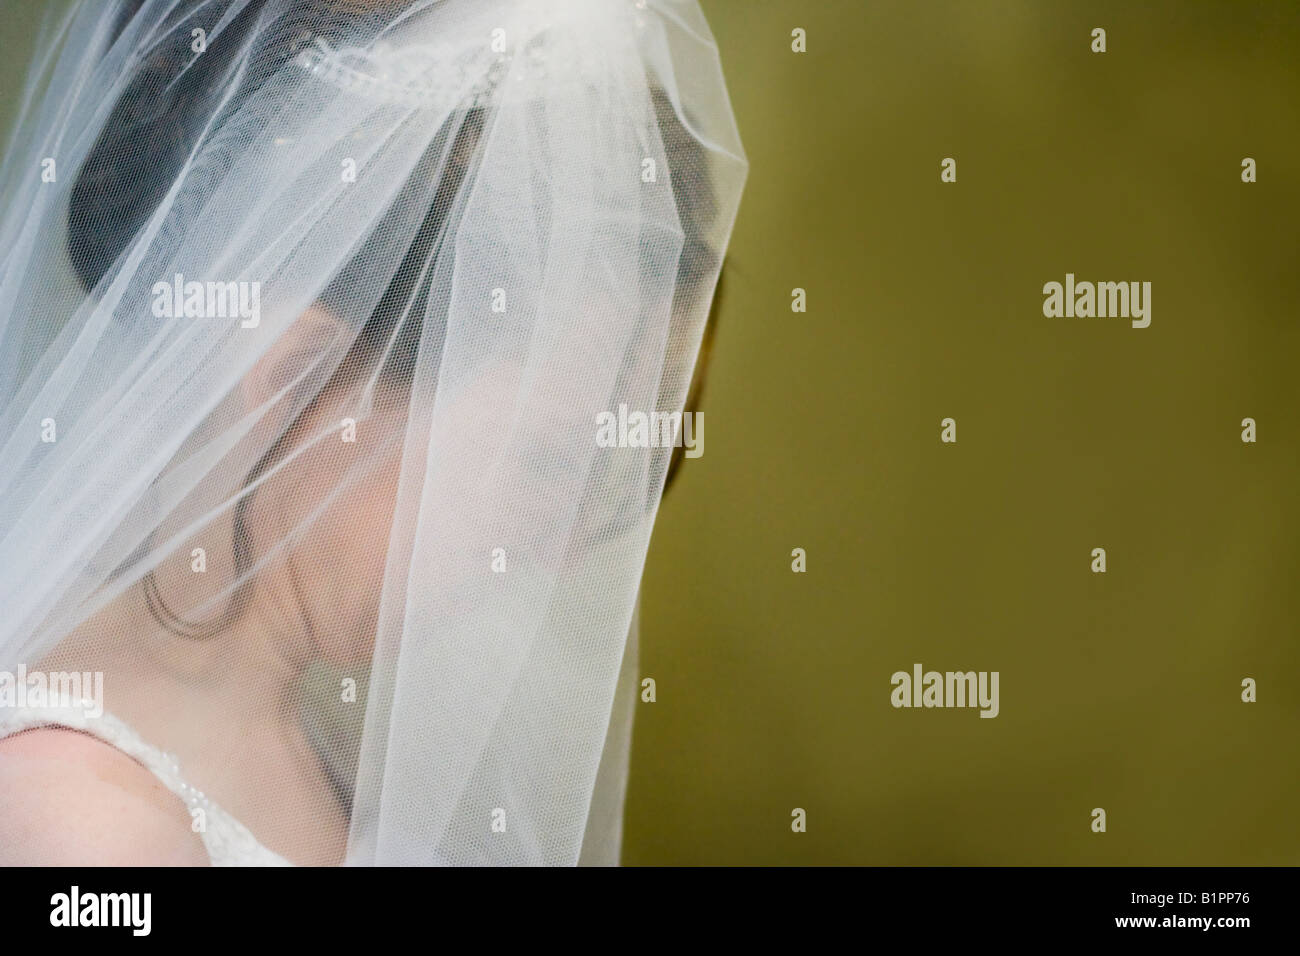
[(311, 309)]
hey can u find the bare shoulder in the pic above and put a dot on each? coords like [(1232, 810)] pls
[(69, 799)]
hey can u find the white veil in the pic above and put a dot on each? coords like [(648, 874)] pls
[(308, 310)]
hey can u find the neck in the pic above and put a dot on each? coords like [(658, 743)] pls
[(228, 706), (205, 699)]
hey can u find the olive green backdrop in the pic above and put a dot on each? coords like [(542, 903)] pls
[(1119, 690)]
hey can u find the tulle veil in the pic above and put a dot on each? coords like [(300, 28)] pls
[(308, 310)]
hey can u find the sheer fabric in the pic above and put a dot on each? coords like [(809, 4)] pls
[(309, 312)]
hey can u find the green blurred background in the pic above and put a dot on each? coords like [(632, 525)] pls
[(1118, 690)]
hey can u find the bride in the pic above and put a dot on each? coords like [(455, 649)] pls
[(350, 580)]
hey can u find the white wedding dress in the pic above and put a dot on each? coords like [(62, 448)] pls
[(228, 842)]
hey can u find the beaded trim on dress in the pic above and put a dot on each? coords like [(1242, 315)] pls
[(228, 842)]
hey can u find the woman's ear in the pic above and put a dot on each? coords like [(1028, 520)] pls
[(305, 354)]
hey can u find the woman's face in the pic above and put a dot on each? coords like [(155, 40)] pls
[(509, 449)]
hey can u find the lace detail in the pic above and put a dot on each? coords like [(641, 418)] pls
[(228, 842)]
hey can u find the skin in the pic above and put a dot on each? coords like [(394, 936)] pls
[(66, 796), (67, 799)]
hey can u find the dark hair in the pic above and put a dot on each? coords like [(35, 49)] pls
[(160, 118)]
